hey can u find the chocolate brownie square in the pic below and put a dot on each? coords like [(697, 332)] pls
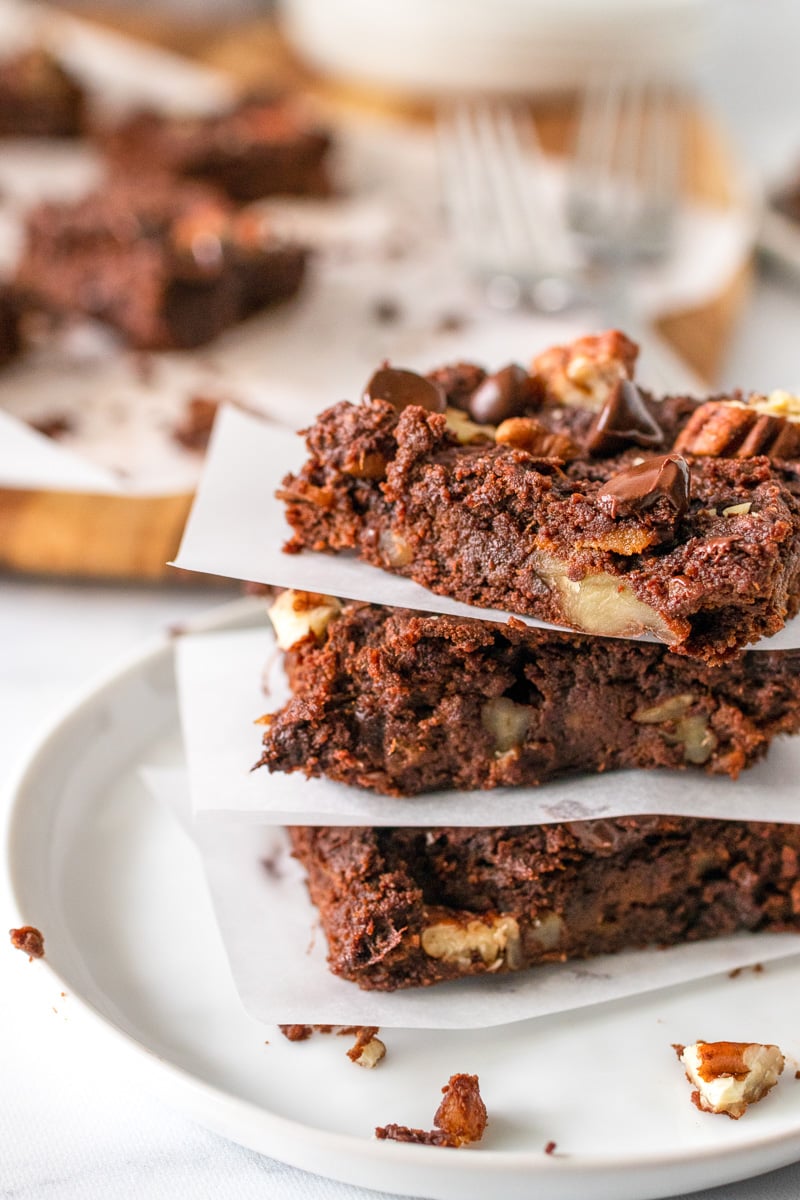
[(264, 145), (413, 907), (568, 494), (403, 703), (166, 263)]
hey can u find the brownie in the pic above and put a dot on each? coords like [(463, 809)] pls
[(413, 907), (39, 97), (264, 145), (402, 703), (9, 326), (166, 263), (587, 504)]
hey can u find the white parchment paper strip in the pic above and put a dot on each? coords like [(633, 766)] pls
[(237, 527), (277, 950), (221, 691)]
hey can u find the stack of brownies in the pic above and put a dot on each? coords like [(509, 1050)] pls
[(568, 494)]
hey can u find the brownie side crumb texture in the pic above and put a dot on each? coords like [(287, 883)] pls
[(606, 535), (166, 263), (414, 907), (402, 703), (262, 146)]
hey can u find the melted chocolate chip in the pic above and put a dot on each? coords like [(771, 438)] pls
[(623, 419), (640, 487), (402, 388), (505, 394)]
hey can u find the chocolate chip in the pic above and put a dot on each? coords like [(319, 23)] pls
[(624, 418), (640, 487), (505, 394), (402, 388)]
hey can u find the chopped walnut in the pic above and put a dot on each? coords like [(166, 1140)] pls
[(29, 940), (460, 1118), (465, 430), (367, 1050), (297, 615), (495, 940), (730, 1076), (585, 372)]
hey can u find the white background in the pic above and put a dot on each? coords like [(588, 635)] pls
[(67, 1128)]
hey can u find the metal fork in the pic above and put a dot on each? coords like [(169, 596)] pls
[(622, 197), (507, 227), (623, 180)]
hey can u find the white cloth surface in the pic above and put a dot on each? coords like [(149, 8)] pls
[(69, 1131)]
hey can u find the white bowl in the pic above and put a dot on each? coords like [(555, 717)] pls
[(436, 47)]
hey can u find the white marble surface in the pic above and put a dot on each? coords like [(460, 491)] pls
[(69, 1131)]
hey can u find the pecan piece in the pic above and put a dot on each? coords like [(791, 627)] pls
[(732, 429), (460, 1118), (585, 372), (729, 1076), (524, 433)]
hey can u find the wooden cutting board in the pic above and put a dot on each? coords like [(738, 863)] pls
[(64, 534)]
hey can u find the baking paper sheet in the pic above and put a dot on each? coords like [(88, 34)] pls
[(237, 528), (221, 678), (277, 951)]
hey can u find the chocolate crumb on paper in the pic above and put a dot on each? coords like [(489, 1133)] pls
[(29, 940), (460, 1119), (55, 425)]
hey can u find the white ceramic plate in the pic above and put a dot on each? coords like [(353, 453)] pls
[(118, 892)]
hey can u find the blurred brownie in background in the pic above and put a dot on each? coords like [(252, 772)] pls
[(165, 263), (265, 145), (38, 97), (9, 326)]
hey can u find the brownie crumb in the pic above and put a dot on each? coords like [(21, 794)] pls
[(193, 430), (451, 323), (54, 426), (550, 1148), (386, 311), (797, 1074), (735, 973), (460, 1118), (28, 939), (678, 1048)]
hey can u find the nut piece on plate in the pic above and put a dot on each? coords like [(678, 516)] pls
[(28, 939), (460, 1118), (740, 429), (298, 615), (730, 1076), (367, 1050), (585, 372)]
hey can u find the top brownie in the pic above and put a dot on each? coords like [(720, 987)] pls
[(264, 145), (567, 493)]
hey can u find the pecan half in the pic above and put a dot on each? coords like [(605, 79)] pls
[(586, 371), (733, 429)]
